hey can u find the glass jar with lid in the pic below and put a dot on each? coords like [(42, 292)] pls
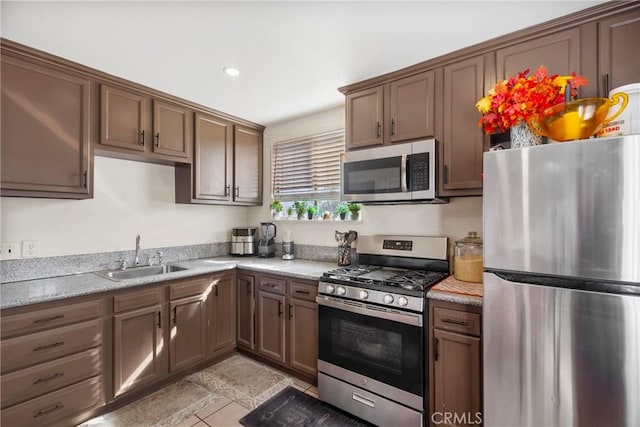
[(468, 258)]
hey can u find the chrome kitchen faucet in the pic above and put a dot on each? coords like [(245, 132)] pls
[(137, 259)]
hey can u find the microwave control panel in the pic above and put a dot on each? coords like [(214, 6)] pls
[(419, 172)]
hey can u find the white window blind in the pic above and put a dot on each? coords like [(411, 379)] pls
[(307, 168)]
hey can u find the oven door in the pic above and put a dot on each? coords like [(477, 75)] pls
[(385, 346), (376, 174)]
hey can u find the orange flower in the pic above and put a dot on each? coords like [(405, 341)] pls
[(520, 97)]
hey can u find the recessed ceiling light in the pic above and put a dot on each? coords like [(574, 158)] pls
[(234, 72)]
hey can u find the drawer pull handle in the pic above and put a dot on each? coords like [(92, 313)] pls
[(456, 322), (49, 378), (48, 410), (363, 400), (271, 285), (48, 319), (48, 346), (298, 291)]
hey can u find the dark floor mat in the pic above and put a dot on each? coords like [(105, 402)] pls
[(292, 407)]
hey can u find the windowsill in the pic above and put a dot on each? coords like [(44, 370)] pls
[(316, 221)]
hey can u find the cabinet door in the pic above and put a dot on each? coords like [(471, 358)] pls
[(170, 129), (559, 52), (222, 315), (247, 167), (463, 141), (303, 336), (272, 326), (412, 102), (123, 119), (213, 158), (139, 348), (246, 311), (618, 38), (456, 373), (365, 116), (188, 332), (45, 131)]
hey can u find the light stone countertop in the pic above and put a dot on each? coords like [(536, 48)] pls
[(453, 290), (15, 294)]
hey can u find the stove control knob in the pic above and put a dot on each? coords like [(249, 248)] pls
[(330, 289), (388, 299), (403, 301), (341, 290), (364, 294)]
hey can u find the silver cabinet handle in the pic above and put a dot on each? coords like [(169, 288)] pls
[(49, 378), (361, 399), (48, 319), (47, 347), (48, 410)]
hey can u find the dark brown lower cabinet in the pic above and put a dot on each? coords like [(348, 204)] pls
[(455, 364), (245, 288), (187, 332), (221, 317), (272, 326), (303, 336), (139, 347)]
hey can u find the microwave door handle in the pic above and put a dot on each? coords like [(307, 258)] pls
[(403, 173)]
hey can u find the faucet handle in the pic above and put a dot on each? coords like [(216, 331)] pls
[(123, 264), (160, 255)]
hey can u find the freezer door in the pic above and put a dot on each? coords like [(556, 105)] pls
[(567, 209), (559, 357)]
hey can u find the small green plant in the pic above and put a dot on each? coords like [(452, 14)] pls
[(300, 208), (354, 208), (290, 211), (312, 210), (342, 210), (276, 206)]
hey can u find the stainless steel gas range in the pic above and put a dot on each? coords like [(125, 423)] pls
[(371, 352)]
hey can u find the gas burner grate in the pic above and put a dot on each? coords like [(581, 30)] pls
[(415, 280)]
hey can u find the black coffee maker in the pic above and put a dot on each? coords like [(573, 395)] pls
[(266, 245)]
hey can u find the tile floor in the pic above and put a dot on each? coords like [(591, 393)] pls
[(217, 396)]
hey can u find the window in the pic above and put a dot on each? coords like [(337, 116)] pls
[(307, 168)]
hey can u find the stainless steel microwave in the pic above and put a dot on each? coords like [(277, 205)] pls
[(402, 172)]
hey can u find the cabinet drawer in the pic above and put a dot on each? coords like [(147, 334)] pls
[(40, 347), (189, 288), (305, 291), (457, 321), (40, 379), (35, 321), (56, 408), (271, 284), (138, 299)]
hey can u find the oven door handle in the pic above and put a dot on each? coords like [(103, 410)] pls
[(407, 318)]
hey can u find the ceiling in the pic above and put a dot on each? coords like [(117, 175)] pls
[(292, 56)]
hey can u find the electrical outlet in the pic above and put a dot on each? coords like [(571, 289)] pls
[(9, 250), (30, 248)]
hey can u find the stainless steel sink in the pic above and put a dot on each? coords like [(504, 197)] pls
[(135, 272)]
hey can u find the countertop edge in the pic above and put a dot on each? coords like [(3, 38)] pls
[(455, 298)]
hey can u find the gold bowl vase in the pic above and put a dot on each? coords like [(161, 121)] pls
[(577, 119)]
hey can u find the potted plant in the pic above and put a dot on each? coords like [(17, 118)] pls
[(312, 210), (300, 208), (276, 208), (514, 102), (342, 210), (354, 208), (290, 212)]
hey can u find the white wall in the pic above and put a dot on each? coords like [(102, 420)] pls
[(130, 198), (454, 219)]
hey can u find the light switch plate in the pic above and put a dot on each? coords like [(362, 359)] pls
[(9, 250), (30, 248)]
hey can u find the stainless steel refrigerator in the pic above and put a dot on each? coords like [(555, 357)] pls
[(561, 310)]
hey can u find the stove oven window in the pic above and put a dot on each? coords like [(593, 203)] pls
[(381, 349)]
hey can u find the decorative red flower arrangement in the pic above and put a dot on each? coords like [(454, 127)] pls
[(519, 98)]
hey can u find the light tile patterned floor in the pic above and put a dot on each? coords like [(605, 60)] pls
[(217, 396)]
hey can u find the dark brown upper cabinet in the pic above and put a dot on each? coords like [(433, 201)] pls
[(227, 164), (247, 165), (462, 142), (619, 62), (129, 125), (399, 111), (559, 52), (45, 130), (123, 119)]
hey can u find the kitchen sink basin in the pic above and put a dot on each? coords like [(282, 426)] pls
[(135, 272)]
